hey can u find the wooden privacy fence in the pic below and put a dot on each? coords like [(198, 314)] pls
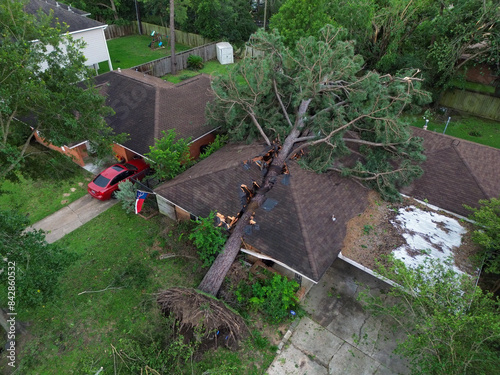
[(161, 67), (193, 40), (474, 103)]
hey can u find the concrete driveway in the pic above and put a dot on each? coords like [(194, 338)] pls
[(338, 336), (72, 216)]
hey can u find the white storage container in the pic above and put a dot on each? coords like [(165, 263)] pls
[(224, 53)]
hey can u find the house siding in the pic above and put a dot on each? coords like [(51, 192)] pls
[(96, 49), (77, 153), (194, 147)]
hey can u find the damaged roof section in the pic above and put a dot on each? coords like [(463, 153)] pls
[(294, 226)]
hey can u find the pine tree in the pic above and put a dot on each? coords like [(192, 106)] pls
[(317, 98)]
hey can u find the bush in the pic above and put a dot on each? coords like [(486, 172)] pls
[(195, 62), (208, 239), (169, 156), (126, 194), (218, 143), (275, 297)]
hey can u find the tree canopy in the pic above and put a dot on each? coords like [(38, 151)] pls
[(317, 98), (38, 264), (451, 325), (44, 81), (437, 37), (487, 234)]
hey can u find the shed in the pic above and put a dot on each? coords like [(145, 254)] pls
[(224, 53)]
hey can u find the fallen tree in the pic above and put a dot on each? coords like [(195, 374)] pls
[(316, 98)]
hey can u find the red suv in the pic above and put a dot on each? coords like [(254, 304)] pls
[(106, 183)]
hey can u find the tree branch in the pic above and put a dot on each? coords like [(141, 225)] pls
[(281, 103)]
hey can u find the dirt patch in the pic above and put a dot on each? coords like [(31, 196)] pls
[(371, 234)]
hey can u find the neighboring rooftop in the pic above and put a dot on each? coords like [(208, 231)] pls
[(456, 172), (145, 105), (75, 19), (299, 231)]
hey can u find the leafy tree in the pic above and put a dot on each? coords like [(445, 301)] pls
[(221, 20), (41, 81), (37, 264), (487, 234), (169, 156), (316, 97), (452, 326), (301, 18)]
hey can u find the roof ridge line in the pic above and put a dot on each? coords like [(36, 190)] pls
[(468, 167), (305, 235)]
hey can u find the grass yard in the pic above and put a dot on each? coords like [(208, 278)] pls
[(133, 50), (64, 183), (77, 332), (212, 67), (474, 129)]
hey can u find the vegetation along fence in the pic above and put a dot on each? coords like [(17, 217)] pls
[(161, 67), (116, 31), (474, 103)]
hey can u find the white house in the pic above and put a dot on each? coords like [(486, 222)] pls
[(79, 27)]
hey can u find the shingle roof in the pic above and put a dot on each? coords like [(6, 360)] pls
[(145, 105), (456, 172), (75, 19), (299, 231)]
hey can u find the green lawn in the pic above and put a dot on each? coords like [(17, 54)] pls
[(63, 183), (212, 67), (474, 129), (133, 50), (75, 333)]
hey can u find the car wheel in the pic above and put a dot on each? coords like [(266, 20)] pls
[(113, 195)]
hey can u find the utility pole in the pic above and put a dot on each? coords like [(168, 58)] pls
[(173, 69)]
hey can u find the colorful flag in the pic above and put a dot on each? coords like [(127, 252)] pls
[(139, 200)]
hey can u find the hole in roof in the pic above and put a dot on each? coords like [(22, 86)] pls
[(248, 230)]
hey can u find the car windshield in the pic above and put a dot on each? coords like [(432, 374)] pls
[(101, 181), (131, 167)]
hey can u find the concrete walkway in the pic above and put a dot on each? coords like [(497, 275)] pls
[(72, 216), (338, 336)]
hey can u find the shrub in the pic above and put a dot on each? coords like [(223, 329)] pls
[(169, 156), (126, 195), (195, 62), (218, 143), (208, 239), (275, 297)]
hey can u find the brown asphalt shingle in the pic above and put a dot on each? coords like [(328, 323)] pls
[(456, 172), (299, 231), (145, 105)]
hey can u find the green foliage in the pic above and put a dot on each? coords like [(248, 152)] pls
[(220, 20), (208, 239), (300, 19), (487, 234), (274, 296), (126, 194), (31, 266), (316, 93), (169, 156), (219, 142), (44, 86), (452, 326), (195, 62)]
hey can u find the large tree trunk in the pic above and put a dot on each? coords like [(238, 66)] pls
[(173, 64), (213, 279)]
